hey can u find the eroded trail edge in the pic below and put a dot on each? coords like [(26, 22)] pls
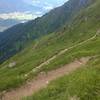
[(42, 80)]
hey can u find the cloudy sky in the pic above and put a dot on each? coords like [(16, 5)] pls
[(26, 9)]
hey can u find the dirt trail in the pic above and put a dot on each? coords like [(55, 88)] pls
[(62, 52), (42, 80)]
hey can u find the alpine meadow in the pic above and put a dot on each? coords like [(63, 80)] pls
[(53, 57)]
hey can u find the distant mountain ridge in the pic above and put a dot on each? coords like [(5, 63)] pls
[(5, 24), (15, 38)]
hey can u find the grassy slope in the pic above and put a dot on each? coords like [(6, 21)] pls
[(48, 46), (83, 84)]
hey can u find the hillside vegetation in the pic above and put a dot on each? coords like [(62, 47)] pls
[(83, 84), (84, 26)]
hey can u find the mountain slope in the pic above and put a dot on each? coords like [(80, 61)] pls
[(14, 39), (5, 24), (84, 26)]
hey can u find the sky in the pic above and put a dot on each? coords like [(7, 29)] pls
[(24, 10)]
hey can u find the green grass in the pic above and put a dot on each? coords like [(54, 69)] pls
[(50, 45), (83, 84), (90, 48)]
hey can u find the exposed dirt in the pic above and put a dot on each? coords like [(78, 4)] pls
[(42, 80), (62, 52)]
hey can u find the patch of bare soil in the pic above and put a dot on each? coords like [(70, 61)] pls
[(42, 80)]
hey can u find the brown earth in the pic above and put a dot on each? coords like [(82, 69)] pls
[(42, 80)]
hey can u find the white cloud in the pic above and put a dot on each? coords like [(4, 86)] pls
[(20, 15), (48, 7), (38, 13), (36, 1), (32, 2), (45, 5)]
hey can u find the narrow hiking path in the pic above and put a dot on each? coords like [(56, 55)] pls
[(60, 53), (42, 80)]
